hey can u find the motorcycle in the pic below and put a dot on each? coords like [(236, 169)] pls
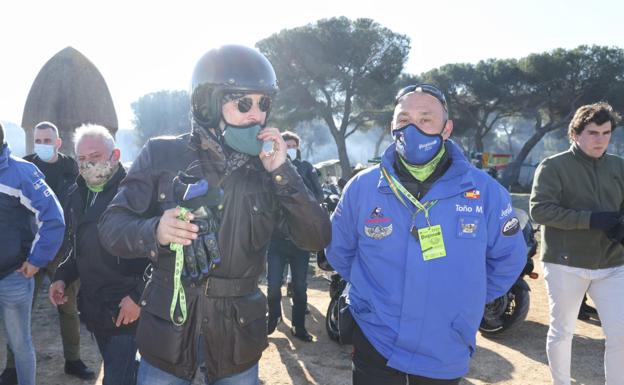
[(511, 309), (337, 307), (337, 284)]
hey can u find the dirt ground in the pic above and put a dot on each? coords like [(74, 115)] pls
[(515, 359)]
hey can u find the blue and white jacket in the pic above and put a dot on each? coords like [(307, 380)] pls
[(25, 199), (422, 316)]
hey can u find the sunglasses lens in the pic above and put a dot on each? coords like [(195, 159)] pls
[(244, 104), (264, 104)]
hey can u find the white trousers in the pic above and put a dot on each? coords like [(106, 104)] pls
[(566, 287)]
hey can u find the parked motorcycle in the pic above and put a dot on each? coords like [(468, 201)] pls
[(337, 304), (337, 284), (512, 308)]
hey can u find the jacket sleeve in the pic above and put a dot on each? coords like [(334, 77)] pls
[(506, 252), (304, 220), (67, 270), (38, 197), (126, 228), (544, 203), (343, 248)]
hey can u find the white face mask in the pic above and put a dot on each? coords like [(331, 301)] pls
[(45, 152), (292, 153)]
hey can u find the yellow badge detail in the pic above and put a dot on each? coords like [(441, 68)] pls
[(431, 242)]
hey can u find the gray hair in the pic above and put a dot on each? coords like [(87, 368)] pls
[(93, 131)]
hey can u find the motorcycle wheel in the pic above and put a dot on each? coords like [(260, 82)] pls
[(331, 319), (515, 312)]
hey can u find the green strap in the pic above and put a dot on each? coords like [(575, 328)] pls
[(178, 289), (400, 191)]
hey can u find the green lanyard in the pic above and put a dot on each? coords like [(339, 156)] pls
[(178, 289), (398, 189)]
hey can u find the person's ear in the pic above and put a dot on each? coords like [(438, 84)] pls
[(59, 143), (448, 129), (116, 155)]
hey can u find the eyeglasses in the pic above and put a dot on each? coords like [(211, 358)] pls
[(244, 104), (423, 87)]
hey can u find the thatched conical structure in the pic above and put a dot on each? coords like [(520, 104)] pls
[(68, 91)]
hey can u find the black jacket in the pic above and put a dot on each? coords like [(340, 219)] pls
[(310, 178), (228, 309), (67, 168), (105, 278)]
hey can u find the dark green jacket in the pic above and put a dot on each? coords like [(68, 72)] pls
[(567, 188)]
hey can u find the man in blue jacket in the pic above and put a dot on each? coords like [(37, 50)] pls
[(25, 199), (60, 173), (425, 240)]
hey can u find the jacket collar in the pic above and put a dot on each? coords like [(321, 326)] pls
[(80, 192), (61, 161), (455, 180), (579, 154)]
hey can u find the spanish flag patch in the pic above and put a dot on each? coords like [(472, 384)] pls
[(472, 194)]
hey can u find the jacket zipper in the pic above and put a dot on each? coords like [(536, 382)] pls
[(597, 177)]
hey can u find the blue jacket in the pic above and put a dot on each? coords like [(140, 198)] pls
[(26, 201), (422, 316)]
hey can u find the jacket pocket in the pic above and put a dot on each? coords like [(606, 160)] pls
[(259, 205), (164, 194), (157, 336), (465, 333), (97, 314), (250, 337)]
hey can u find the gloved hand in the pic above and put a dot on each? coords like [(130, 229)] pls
[(604, 220), (200, 258), (202, 255)]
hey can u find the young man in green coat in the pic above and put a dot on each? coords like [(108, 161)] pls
[(578, 198)]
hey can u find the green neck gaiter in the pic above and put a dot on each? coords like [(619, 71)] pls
[(96, 189), (421, 173)]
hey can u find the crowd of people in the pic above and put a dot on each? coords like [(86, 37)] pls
[(164, 259)]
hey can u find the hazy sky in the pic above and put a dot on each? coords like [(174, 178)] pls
[(146, 46)]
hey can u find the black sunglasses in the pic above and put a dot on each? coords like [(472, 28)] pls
[(244, 104), (423, 87)]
